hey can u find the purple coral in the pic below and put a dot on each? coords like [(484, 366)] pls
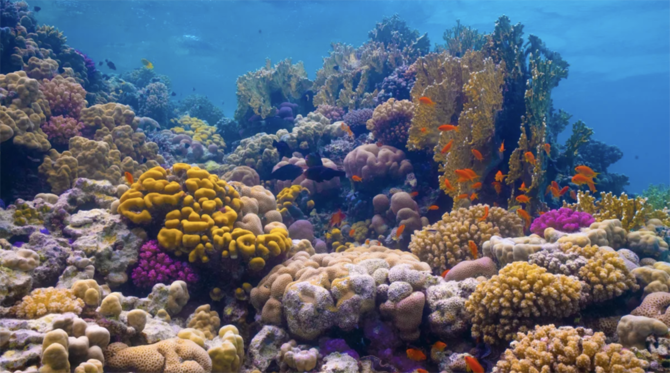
[(357, 120), (65, 96), (563, 219), (328, 346), (155, 267), (154, 100), (333, 113), (90, 65), (60, 129), (397, 85)]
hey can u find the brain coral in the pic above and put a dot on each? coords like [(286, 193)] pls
[(376, 164), (169, 356), (390, 122), (517, 297), (655, 305), (548, 349), (445, 243)]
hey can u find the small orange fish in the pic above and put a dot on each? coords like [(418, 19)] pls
[(500, 176), (549, 189), (399, 231), (486, 214), (524, 215), (477, 185), (426, 101), (580, 179), (356, 178), (423, 129), (448, 185), (555, 184), (352, 232), (347, 129), (530, 158), (433, 207), (337, 218), (522, 199), (414, 193), (129, 178), (439, 345), (448, 127), (547, 148), (421, 370), (477, 154), (416, 355), (466, 174), (563, 191), (473, 365), (497, 186), (473, 196), (367, 242), (462, 196), (554, 192), (586, 171), (541, 213), (523, 187), (444, 273), (573, 195), (501, 149), (473, 248), (447, 147)]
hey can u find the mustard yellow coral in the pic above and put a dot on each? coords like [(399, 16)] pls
[(198, 130), (229, 356), (47, 300), (632, 212), (205, 320)]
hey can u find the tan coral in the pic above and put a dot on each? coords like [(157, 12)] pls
[(205, 320), (21, 118), (47, 300), (108, 116), (655, 305), (168, 356)]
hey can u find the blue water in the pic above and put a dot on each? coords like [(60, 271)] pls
[(619, 51)]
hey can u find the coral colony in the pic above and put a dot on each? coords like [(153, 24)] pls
[(408, 210)]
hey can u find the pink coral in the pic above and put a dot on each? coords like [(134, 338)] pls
[(60, 129), (155, 267), (375, 164), (324, 187), (334, 113), (563, 219), (66, 97)]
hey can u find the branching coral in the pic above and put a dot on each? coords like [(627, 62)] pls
[(47, 300), (24, 109), (66, 97), (459, 39), (390, 122), (632, 212), (61, 129), (445, 243), (155, 266), (563, 219)]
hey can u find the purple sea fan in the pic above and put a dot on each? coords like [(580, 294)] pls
[(563, 219), (155, 267)]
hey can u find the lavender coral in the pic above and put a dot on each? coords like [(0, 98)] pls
[(357, 120), (397, 85), (154, 100), (563, 219), (65, 96), (155, 267), (60, 129), (390, 122), (331, 112)]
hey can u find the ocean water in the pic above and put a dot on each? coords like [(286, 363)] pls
[(618, 51)]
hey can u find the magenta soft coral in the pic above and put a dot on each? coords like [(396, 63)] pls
[(563, 219), (60, 129), (155, 267), (66, 97)]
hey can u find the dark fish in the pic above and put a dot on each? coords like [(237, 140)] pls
[(322, 173), (287, 172), (313, 159), (193, 89), (44, 231), (111, 65), (336, 68), (636, 157), (283, 148), (100, 63), (260, 31), (36, 8), (173, 94)]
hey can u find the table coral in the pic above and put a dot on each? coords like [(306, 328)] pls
[(168, 356), (60, 129), (567, 349), (445, 243), (65, 96), (47, 300), (156, 266), (517, 297), (563, 219), (390, 122), (24, 109)]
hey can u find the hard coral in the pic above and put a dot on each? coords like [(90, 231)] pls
[(655, 305), (375, 164), (357, 120), (66, 97), (47, 300), (108, 116), (168, 356), (333, 113), (24, 109), (60, 129), (563, 219), (156, 266), (390, 122)]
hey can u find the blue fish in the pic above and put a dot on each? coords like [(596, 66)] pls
[(44, 231)]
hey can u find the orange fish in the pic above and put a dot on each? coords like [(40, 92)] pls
[(586, 171), (477, 154), (399, 231), (426, 101), (473, 248), (129, 178), (500, 176), (573, 195), (473, 196), (563, 191), (416, 355), (497, 186), (347, 129), (549, 189), (356, 178), (501, 149), (351, 232), (462, 196), (421, 370), (423, 129), (439, 345), (547, 148), (523, 187), (554, 184), (466, 174), (414, 193), (447, 147), (522, 199), (448, 185), (444, 273), (530, 158), (337, 218), (473, 365), (448, 127), (486, 214), (580, 179), (524, 215), (367, 242), (541, 213), (554, 191), (477, 185), (434, 207)]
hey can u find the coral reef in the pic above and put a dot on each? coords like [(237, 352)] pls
[(24, 108), (155, 266), (390, 122), (563, 219)]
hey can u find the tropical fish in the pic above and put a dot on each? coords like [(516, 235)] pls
[(466, 174), (501, 149), (448, 185), (414, 193), (433, 207), (549, 189), (473, 248), (379, 144), (111, 65), (500, 176), (477, 154), (563, 191), (444, 273), (367, 242), (586, 171), (573, 195), (356, 178), (129, 178), (522, 199), (486, 214), (147, 64), (36, 8), (352, 231), (322, 173), (530, 158), (447, 147), (473, 196), (523, 187), (399, 231), (477, 185), (448, 127), (286, 172), (283, 148), (497, 186), (473, 365), (347, 129), (337, 218), (423, 129), (313, 159), (421, 370), (439, 345), (416, 355), (426, 101), (580, 179), (547, 148), (463, 196), (524, 215)]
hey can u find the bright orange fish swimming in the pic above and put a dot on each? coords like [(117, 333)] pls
[(444, 273), (477, 154), (497, 186), (523, 187), (447, 147), (439, 345), (473, 365), (501, 149), (448, 185), (554, 184), (473, 248), (580, 179), (477, 185), (524, 215), (423, 129), (356, 178), (129, 178), (522, 199), (500, 176), (547, 148), (414, 193), (462, 196), (466, 174), (448, 127), (563, 191), (399, 231), (421, 370), (351, 232), (416, 355), (530, 158), (486, 214), (347, 129), (473, 196), (434, 207), (337, 218), (426, 101), (573, 195), (367, 242), (586, 171)]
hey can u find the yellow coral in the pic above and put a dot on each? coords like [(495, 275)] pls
[(109, 115), (21, 120), (288, 197), (632, 212), (47, 300), (198, 130), (229, 356), (337, 241)]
